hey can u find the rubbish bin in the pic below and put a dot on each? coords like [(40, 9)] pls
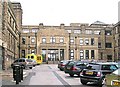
[(21, 72), (16, 73)]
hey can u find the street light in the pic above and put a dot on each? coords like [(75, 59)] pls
[(69, 48), (19, 42), (36, 41)]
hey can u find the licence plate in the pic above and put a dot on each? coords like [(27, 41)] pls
[(116, 83), (89, 73)]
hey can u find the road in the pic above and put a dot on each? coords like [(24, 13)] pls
[(49, 74)]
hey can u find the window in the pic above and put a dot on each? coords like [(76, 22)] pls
[(25, 30), (92, 41), (69, 31), (52, 39), (23, 53), (97, 32), (32, 51), (88, 31), (92, 54), (86, 41), (23, 40), (34, 30), (101, 54), (43, 40), (87, 54), (61, 39), (33, 39), (81, 54), (99, 45), (77, 31), (72, 54), (108, 32), (20, 60), (109, 58), (81, 41), (108, 45), (32, 57), (71, 40)]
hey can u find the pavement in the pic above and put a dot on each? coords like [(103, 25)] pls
[(6, 76)]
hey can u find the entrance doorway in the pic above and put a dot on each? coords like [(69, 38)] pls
[(52, 55)]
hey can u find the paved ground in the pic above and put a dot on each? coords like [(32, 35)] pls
[(7, 77)]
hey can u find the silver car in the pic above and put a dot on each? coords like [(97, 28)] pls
[(26, 63)]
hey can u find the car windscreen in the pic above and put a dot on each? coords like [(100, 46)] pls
[(109, 67), (16, 61), (29, 60), (65, 62), (79, 63), (93, 66), (71, 63)]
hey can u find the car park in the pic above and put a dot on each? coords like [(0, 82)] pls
[(62, 64), (95, 72), (75, 67), (113, 79), (26, 63)]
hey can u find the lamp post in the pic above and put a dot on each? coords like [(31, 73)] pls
[(19, 43), (36, 42), (69, 48)]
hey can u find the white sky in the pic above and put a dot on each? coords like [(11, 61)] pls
[(55, 12)]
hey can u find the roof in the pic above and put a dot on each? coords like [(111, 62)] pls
[(105, 63)]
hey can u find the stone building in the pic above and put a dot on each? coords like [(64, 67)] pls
[(78, 41), (10, 33), (117, 41), (1, 35)]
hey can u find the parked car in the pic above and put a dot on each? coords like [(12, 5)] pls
[(26, 63), (117, 63), (95, 72), (34, 63), (62, 64), (113, 79), (75, 67)]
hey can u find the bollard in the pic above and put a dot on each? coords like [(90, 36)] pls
[(16, 73)]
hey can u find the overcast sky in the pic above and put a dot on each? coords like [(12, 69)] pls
[(55, 12)]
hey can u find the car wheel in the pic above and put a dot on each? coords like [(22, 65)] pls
[(30, 67), (71, 75), (61, 69), (83, 82), (102, 82)]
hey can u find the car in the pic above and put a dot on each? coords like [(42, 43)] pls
[(113, 79), (34, 62), (117, 63), (75, 67), (26, 63), (62, 64), (95, 72)]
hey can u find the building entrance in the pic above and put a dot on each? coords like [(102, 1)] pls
[(53, 55)]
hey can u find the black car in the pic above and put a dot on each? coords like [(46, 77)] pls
[(75, 67), (62, 64), (95, 72)]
